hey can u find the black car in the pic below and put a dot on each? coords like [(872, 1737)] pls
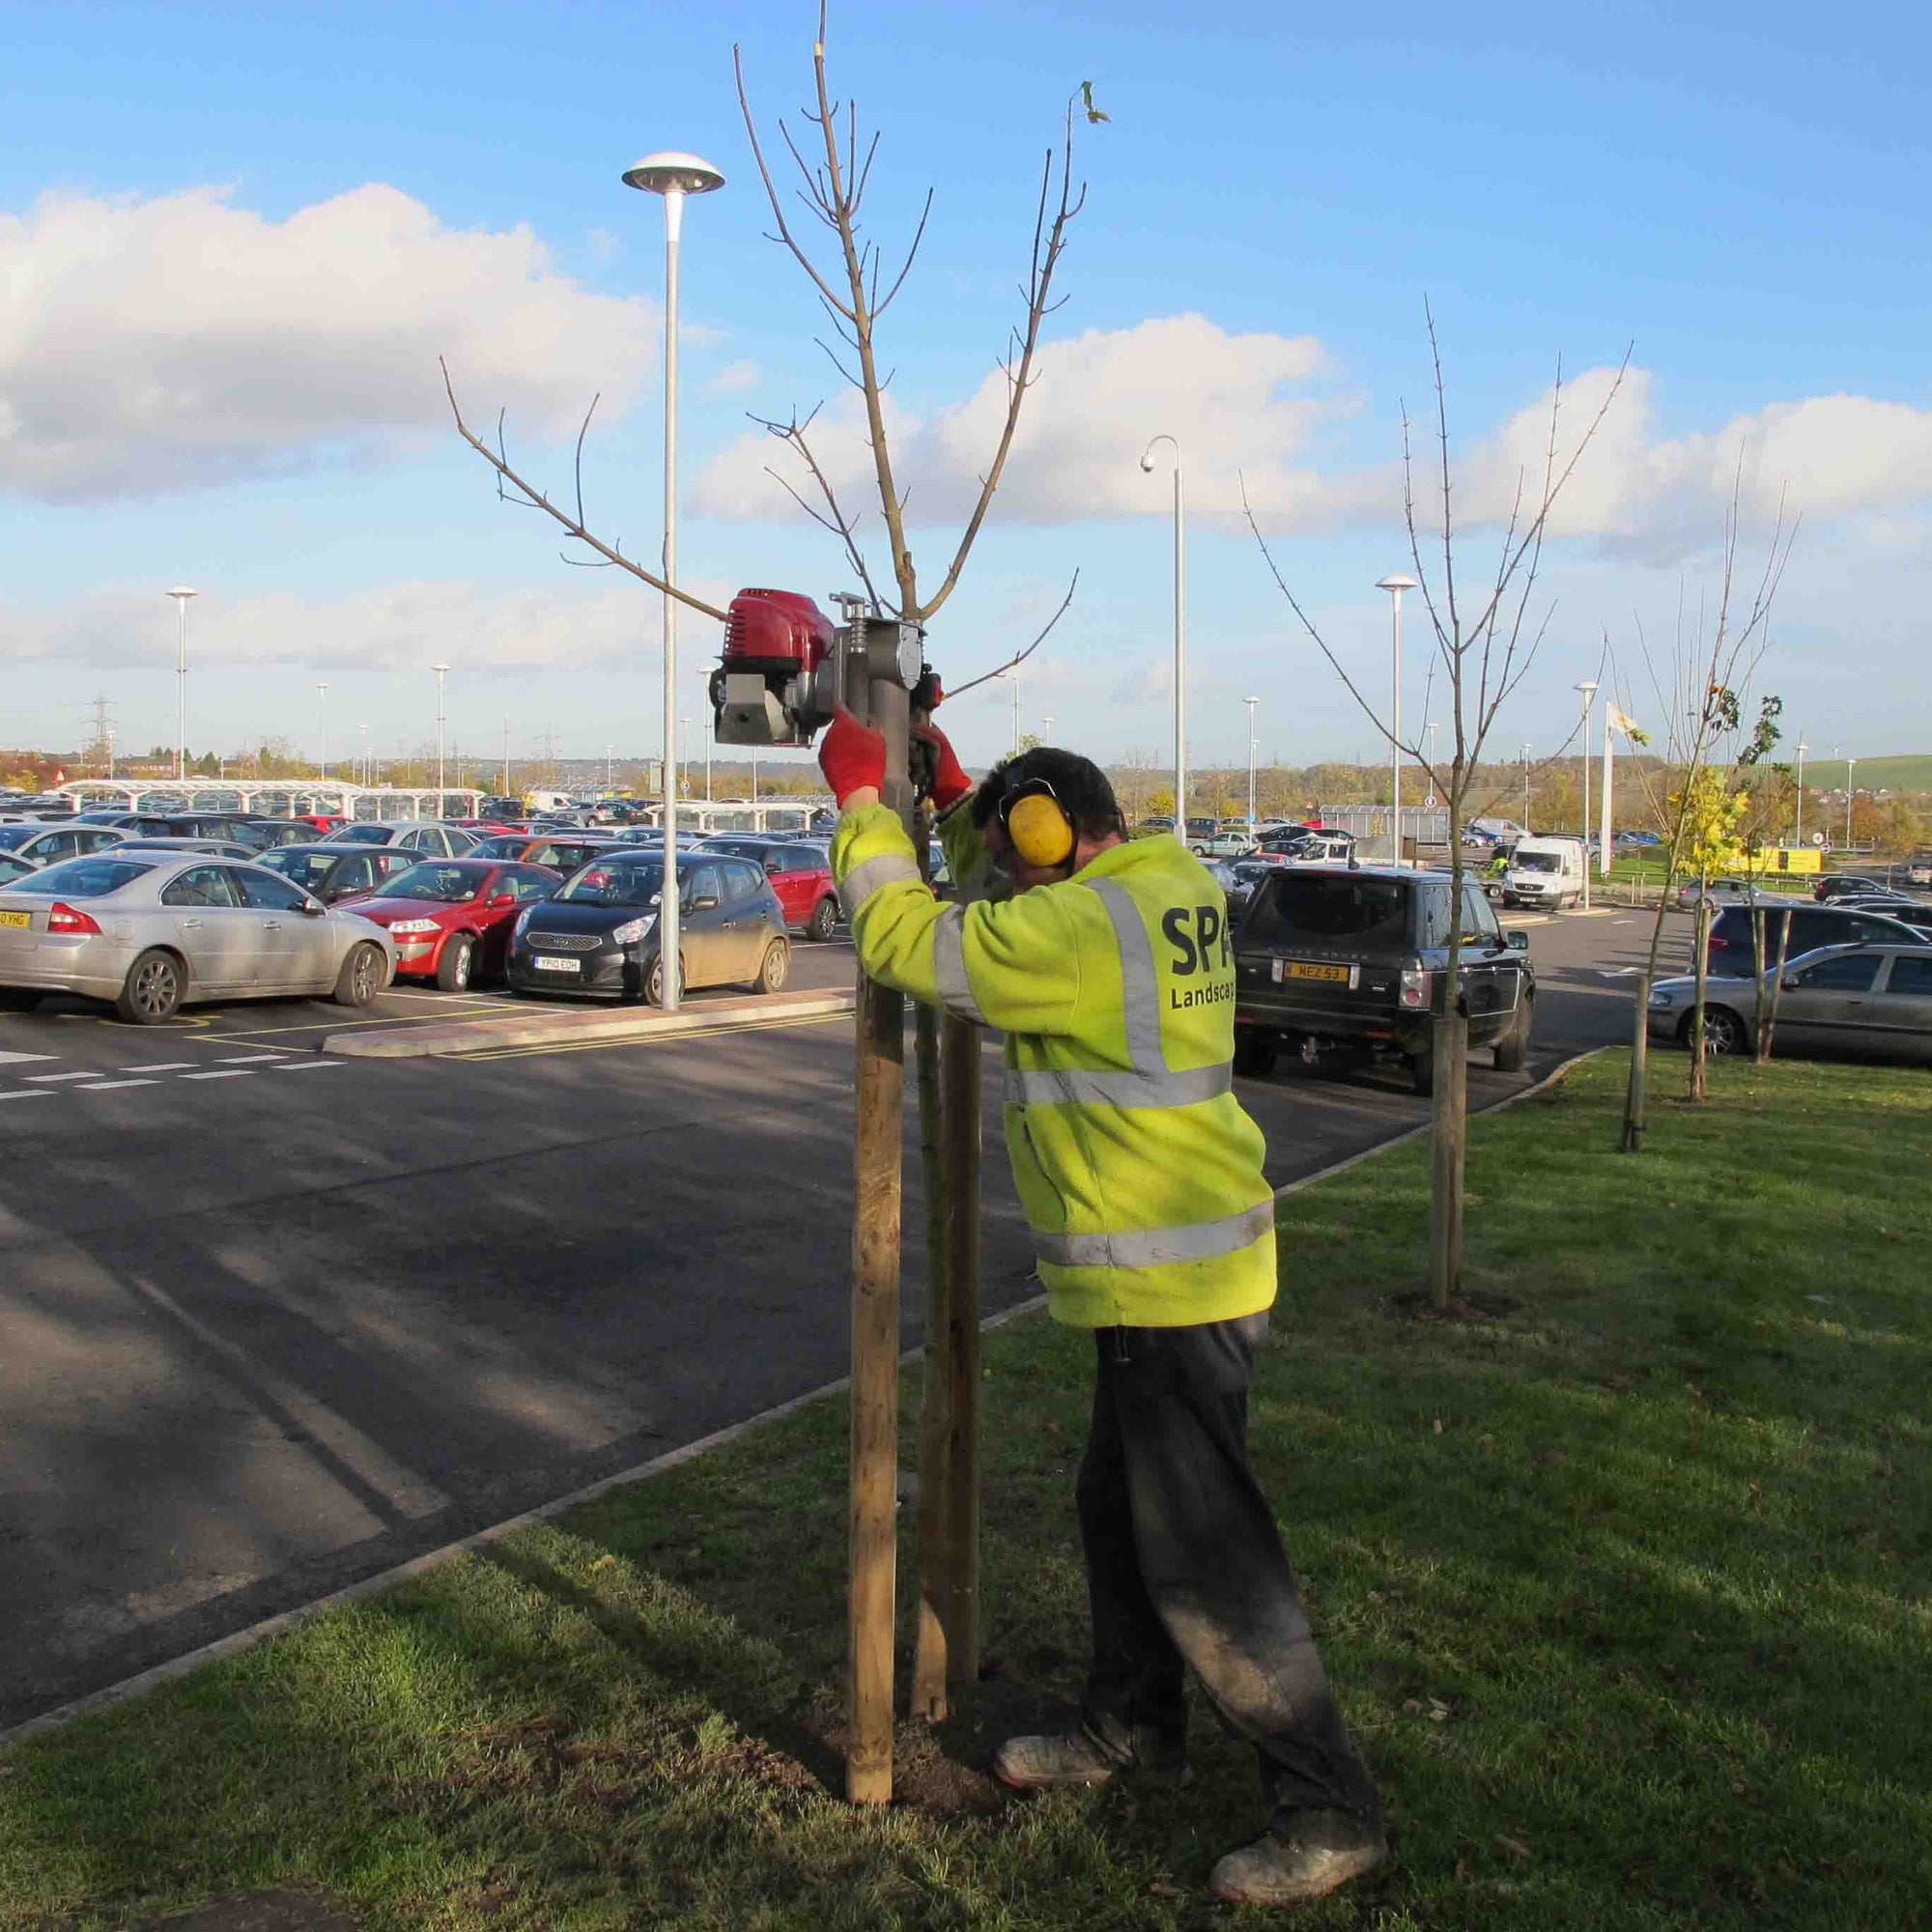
[(334, 873), (1844, 885), (1732, 954), (1344, 961), (600, 933)]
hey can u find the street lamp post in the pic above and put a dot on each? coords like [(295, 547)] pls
[(442, 671), (322, 730), (1395, 585), (673, 175), (1851, 793), (1525, 787), (1251, 702), (1179, 633), (1588, 687), (1798, 835), (181, 593), (368, 776)]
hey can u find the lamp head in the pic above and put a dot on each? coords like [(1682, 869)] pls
[(672, 171), (182, 591), (1398, 582)]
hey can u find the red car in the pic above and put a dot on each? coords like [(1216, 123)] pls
[(323, 821), (451, 918), (801, 875)]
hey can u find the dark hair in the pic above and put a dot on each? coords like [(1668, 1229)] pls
[(1079, 784)]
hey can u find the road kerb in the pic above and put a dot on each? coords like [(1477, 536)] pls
[(547, 1027)]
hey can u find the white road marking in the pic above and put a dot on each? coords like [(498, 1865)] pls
[(302, 1066), (159, 1066), (28, 1094), (111, 1085), (59, 1076), (17, 1058), (233, 1073), (248, 1059), (1615, 972)]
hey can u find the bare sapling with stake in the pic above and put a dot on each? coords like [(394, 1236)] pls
[(855, 291), (1698, 692), (1485, 643)]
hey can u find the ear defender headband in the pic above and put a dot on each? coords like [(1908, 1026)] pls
[(1036, 823)]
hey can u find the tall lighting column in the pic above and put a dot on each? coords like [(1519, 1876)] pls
[(673, 175), (441, 672), (1588, 687), (322, 730), (1179, 633), (1797, 836), (1251, 702), (1851, 795), (1395, 585), (181, 593)]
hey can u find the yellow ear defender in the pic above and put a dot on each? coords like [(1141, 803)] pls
[(1037, 824)]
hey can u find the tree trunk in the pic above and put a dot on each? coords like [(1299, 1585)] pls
[(1449, 1093), (1701, 968), (878, 1119), (1766, 1031), (1636, 1091)]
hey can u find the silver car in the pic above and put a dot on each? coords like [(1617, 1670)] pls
[(153, 931), (1868, 1002), (44, 844)]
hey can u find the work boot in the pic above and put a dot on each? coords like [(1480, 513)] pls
[(1033, 1764), (1317, 1852)]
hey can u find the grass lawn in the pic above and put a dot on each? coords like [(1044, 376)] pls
[(1626, 1591)]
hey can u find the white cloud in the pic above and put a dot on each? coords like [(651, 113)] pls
[(1249, 405), (150, 344), (391, 627), (735, 379), (1230, 400)]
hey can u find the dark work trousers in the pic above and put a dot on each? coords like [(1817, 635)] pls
[(1185, 1571)]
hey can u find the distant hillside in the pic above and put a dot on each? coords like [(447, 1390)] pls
[(1911, 773)]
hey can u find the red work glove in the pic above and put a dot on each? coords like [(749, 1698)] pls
[(950, 784), (852, 756)]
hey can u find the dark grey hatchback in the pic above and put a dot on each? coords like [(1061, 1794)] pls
[(600, 932), (1344, 961)]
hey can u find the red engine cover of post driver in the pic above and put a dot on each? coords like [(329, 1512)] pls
[(776, 630)]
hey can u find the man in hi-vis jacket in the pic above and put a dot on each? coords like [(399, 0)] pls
[(1109, 971)]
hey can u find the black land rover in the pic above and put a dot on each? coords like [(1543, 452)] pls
[(1341, 961)]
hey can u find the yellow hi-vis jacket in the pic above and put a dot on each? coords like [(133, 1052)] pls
[(1139, 1172)]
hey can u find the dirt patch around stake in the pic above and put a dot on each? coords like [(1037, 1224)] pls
[(257, 1911)]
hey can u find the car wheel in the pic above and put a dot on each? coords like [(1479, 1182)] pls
[(775, 969), (152, 990), (1723, 1031), (1255, 1052), (360, 979), (654, 982), (455, 964), (19, 999), (824, 918), (1512, 1050)]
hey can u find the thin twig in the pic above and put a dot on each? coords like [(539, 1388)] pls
[(1020, 657)]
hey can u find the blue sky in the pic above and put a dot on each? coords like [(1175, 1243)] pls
[(236, 239)]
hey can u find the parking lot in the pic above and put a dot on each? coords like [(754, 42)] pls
[(280, 1318)]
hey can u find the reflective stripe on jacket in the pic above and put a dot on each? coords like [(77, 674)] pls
[(1139, 1171)]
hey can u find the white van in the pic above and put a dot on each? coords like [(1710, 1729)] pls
[(1545, 872)]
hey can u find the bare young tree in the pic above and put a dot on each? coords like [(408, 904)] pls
[(1486, 643), (1698, 692)]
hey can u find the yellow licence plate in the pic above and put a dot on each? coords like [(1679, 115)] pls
[(16, 919), (1309, 969)]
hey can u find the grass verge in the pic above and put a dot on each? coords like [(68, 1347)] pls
[(1626, 1591)]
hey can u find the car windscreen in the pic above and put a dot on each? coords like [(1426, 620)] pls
[(309, 869), (501, 845), (361, 835), (435, 879), (615, 884), (82, 879), (1323, 909), (11, 835), (1538, 861)]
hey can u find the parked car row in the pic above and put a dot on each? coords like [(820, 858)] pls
[(1868, 1000), (152, 923)]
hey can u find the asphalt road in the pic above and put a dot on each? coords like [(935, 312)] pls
[(274, 1321)]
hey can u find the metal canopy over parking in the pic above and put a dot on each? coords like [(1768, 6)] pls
[(276, 798)]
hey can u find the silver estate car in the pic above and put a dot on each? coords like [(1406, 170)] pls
[(1866, 1002), (154, 931)]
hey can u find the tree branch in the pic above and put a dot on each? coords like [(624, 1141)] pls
[(1020, 657)]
